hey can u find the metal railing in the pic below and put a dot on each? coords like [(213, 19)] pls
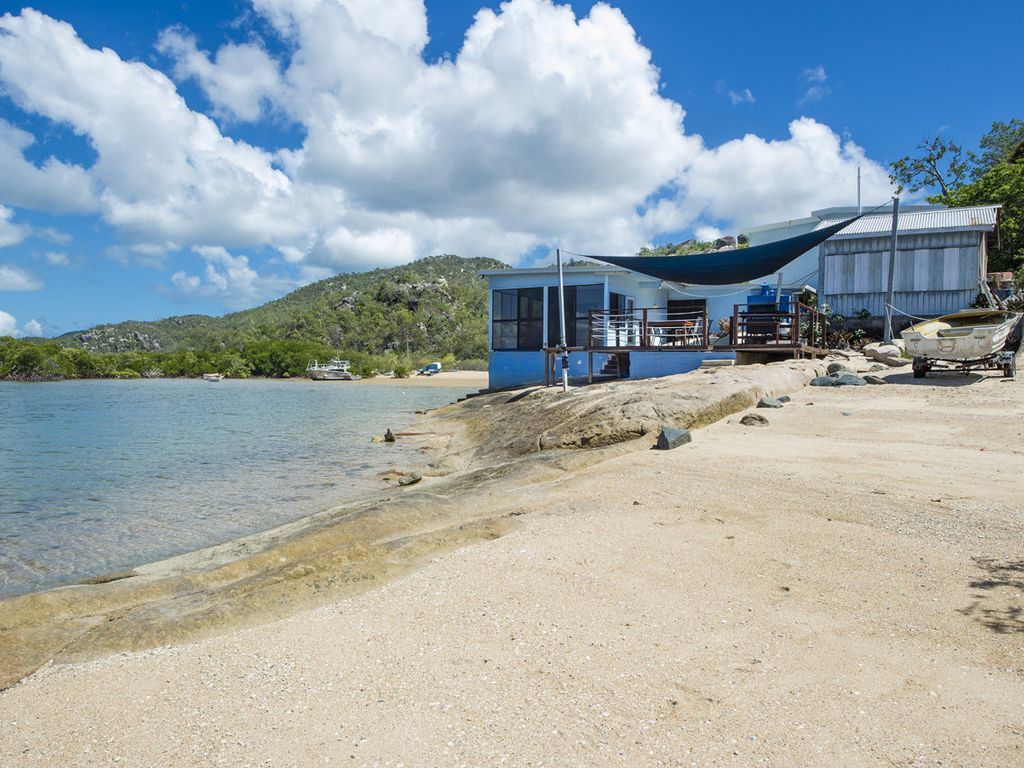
[(647, 328), (767, 325)]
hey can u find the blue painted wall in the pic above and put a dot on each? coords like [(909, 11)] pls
[(646, 365), (520, 369)]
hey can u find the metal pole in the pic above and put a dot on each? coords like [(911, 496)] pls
[(858, 191), (564, 354), (892, 271)]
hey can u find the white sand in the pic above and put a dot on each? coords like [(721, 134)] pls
[(830, 590)]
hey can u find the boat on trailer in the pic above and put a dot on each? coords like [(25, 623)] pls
[(967, 340), (335, 370)]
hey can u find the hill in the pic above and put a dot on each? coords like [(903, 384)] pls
[(434, 305)]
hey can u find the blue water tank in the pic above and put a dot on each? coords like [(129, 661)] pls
[(765, 297)]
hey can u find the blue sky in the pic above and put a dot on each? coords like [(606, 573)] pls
[(335, 136)]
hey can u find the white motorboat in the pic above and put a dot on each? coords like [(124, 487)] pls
[(970, 339), (335, 370), (213, 376)]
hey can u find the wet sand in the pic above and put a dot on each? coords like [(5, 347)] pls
[(840, 587)]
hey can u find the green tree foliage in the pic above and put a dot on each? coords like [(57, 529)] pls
[(677, 249), (937, 163), (997, 177), (431, 307)]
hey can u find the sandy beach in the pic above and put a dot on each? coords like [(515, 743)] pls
[(468, 379), (843, 586)]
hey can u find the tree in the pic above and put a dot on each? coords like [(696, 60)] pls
[(996, 178), (941, 164), (1004, 143)]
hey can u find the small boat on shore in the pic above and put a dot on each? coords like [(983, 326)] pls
[(335, 370), (973, 338), (213, 376)]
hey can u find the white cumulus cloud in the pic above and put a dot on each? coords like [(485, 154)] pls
[(228, 278), (545, 129), (10, 233), (33, 328), (8, 325), (14, 278)]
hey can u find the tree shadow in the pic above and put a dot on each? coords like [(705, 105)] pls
[(991, 607)]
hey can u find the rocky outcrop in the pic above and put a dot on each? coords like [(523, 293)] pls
[(501, 426)]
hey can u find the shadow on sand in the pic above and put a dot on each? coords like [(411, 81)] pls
[(992, 606), (943, 378)]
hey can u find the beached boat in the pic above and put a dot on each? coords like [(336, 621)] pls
[(973, 338), (335, 370), (213, 376)]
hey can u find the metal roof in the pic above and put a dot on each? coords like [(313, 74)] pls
[(981, 218)]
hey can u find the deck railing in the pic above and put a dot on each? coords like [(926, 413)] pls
[(647, 328), (761, 325)]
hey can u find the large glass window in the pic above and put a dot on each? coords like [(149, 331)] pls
[(517, 318), (579, 300)]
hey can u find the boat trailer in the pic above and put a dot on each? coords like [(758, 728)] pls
[(1005, 359)]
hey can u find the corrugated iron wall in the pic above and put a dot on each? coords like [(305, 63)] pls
[(935, 273)]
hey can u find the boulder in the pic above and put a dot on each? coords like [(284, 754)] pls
[(851, 380), (837, 368), (768, 402), (889, 354), (671, 437), (725, 242), (870, 378), (825, 381), (411, 479), (754, 420), (783, 398)]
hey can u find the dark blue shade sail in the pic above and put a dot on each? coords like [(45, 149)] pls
[(726, 267)]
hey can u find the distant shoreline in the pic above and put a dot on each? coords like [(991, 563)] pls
[(471, 379)]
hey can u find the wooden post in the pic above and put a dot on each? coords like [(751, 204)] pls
[(797, 338), (564, 357), (734, 331), (643, 329), (707, 331), (590, 366)]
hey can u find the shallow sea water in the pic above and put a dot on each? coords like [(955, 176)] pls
[(100, 476)]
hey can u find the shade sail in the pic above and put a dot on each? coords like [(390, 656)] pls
[(726, 267)]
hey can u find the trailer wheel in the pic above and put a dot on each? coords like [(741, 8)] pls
[(920, 368)]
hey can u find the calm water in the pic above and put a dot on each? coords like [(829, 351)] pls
[(97, 476)]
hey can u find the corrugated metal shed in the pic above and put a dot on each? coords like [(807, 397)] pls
[(981, 218)]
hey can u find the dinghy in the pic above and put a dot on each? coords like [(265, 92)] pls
[(973, 338)]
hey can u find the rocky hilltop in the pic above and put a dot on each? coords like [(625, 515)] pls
[(439, 302)]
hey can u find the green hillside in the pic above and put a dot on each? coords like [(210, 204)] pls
[(435, 305)]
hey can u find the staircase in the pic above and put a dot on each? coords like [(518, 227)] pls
[(616, 367)]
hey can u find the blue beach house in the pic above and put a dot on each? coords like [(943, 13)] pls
[(624, 322)]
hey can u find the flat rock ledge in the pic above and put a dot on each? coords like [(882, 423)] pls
[(505, 425)]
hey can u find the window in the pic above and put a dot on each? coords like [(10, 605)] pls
[(517, 318), (579, 300), (683, 309)]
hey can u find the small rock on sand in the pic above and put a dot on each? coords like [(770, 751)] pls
[(410, 479), (870, 378), (783, 398), (825, 381), (840, 368), (851, 380), (671, 437), (769, 402), (754, 420)]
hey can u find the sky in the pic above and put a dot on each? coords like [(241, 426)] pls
[(189, 156)]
